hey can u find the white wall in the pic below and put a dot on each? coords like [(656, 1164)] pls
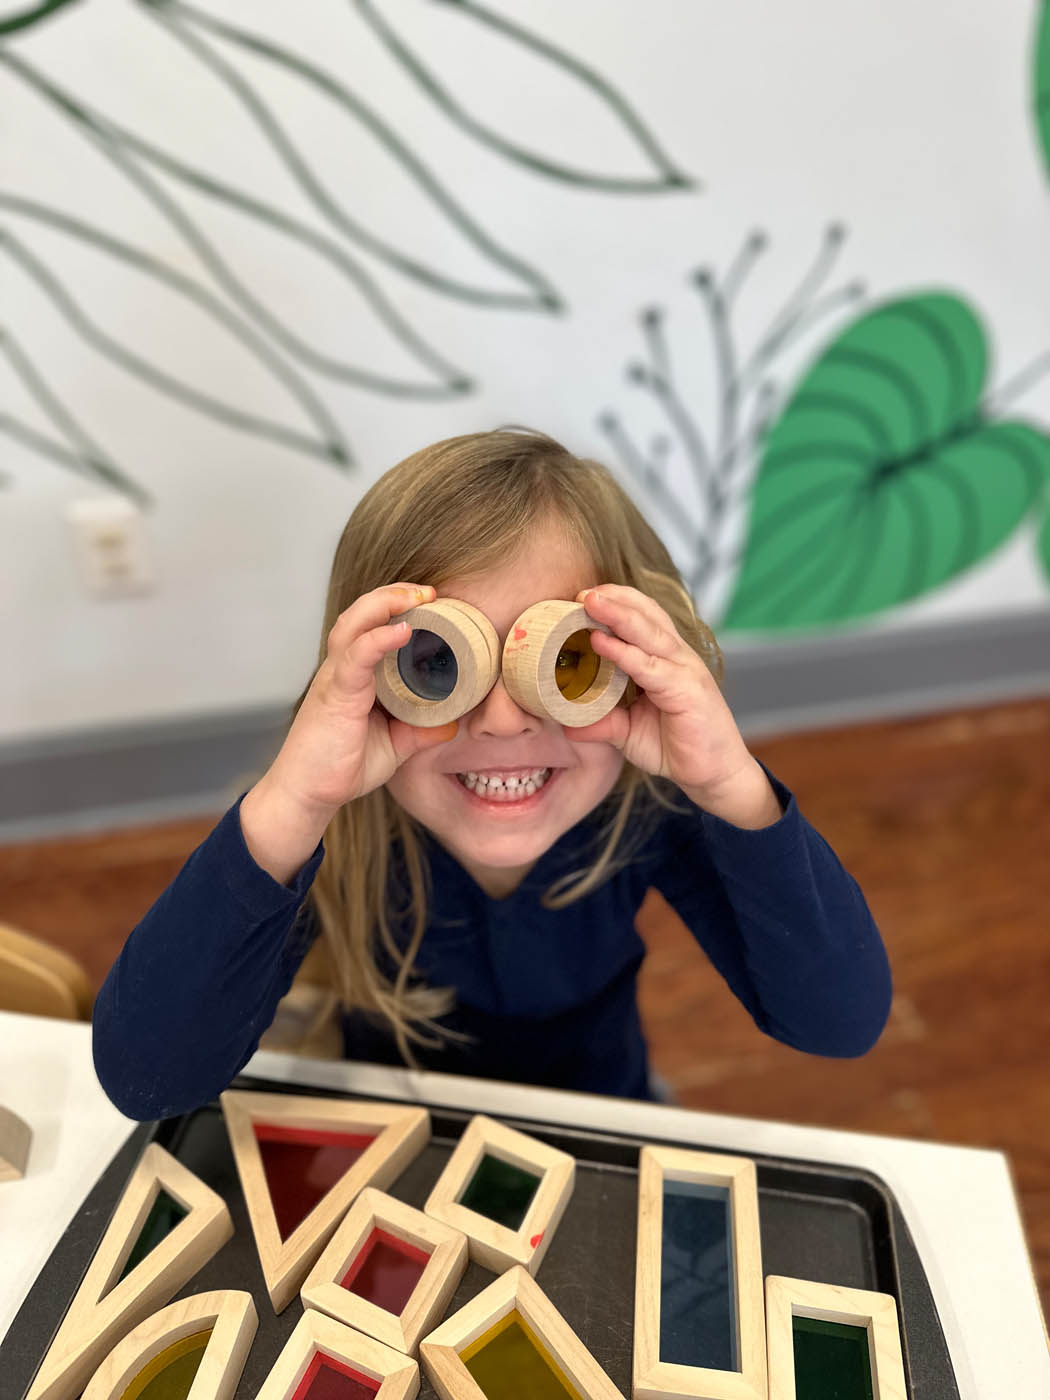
[(908, 124)]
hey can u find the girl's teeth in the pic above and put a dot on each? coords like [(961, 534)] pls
[(507, 789)]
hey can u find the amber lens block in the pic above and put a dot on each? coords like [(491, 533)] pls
[(510, 1362), (302, 1165), (832, 1360), (328, 1379), (171, 1372), (386, 1271), (576, 667), (500, 1191)]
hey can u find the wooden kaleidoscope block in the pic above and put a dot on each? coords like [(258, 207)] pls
[(699, 1327), (848, 1338), (389, 1270), (366, 1367), (15, 1137), (166, 1225), (201, 1341), (302, 1160), (505, 1191), (509, 1341)]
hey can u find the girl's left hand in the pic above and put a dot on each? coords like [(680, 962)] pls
[(681, 727)]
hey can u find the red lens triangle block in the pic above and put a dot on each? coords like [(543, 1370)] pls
[(329, 1379), (386, 1271), (302, 1165)]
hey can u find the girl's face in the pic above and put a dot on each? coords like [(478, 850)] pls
[(498, 836)]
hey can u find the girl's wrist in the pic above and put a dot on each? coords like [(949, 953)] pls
[(746, 799), (281, 833)]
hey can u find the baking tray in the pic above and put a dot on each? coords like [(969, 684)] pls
[(828, 1223)]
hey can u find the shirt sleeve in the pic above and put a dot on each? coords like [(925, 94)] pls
[(784, 923), (199, 978)]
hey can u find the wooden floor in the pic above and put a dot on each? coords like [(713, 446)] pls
[(945, 822)]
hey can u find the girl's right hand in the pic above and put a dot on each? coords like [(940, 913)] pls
[(341, 745)]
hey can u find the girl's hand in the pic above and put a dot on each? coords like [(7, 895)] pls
[(681, 727), (341, 745)]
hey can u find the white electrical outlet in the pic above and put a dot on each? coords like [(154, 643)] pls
[(110, 541)]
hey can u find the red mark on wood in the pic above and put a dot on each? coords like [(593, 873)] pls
[(520, 634), (536, 1239)]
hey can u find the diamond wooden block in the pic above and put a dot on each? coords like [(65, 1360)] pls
[(389, 1270), (505, 1191)]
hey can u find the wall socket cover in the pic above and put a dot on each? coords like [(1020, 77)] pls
[(110, 542)]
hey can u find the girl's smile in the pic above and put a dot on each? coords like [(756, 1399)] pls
[(504, 790)]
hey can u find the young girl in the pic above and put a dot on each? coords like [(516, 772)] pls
[(473, 887)]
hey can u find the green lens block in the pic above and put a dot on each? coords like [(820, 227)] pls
[(832, 1360), (165, 1214), (500, 1191)]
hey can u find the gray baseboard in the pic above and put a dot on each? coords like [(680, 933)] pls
[(140, 774)]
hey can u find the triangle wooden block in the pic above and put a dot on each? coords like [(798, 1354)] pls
[(113, 1298), (295, 1206), (203, 1339)]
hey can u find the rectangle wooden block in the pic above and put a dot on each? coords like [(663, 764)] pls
[(330, 1284), (873, 1314), (699, 1329), (486, 1191)]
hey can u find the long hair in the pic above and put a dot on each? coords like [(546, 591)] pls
[(458, 507)]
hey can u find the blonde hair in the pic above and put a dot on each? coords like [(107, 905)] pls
[(459, 507)]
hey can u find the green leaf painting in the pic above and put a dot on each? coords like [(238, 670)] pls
[(1041, 82), (883, 477)]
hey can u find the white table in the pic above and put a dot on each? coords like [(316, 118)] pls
[(958, 1202)]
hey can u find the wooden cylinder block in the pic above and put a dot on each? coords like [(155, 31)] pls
[(426, 683), (550, 668)]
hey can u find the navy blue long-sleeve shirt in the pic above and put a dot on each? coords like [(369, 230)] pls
[(545, 996)]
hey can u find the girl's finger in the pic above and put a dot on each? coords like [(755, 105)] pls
[(664, 679), (655, 635), (374, 609), (622, 595), (355, 664)]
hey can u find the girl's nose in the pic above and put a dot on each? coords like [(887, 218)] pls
[(499, 714)]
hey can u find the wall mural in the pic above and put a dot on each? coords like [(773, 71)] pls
[(338, 235), (886, 468)]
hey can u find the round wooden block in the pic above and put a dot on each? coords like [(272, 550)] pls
[(475, 645), (550, 669)]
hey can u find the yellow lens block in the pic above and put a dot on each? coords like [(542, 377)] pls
[(171, 1372), (510, 1359)]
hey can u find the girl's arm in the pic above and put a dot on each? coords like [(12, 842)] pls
[(763, 892), (784, 923), (198, 980)]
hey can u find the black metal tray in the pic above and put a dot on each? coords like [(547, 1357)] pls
[(827, 1223)]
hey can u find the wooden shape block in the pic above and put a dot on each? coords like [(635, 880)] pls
[(398, 1134), (543, 1342), (15, 1137), (319, 1340), (204, 1338), (550, 668), (495, 1245), (874, 1314), (740, 1274), (110, 1301), (336, 1284), (447, 667)]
